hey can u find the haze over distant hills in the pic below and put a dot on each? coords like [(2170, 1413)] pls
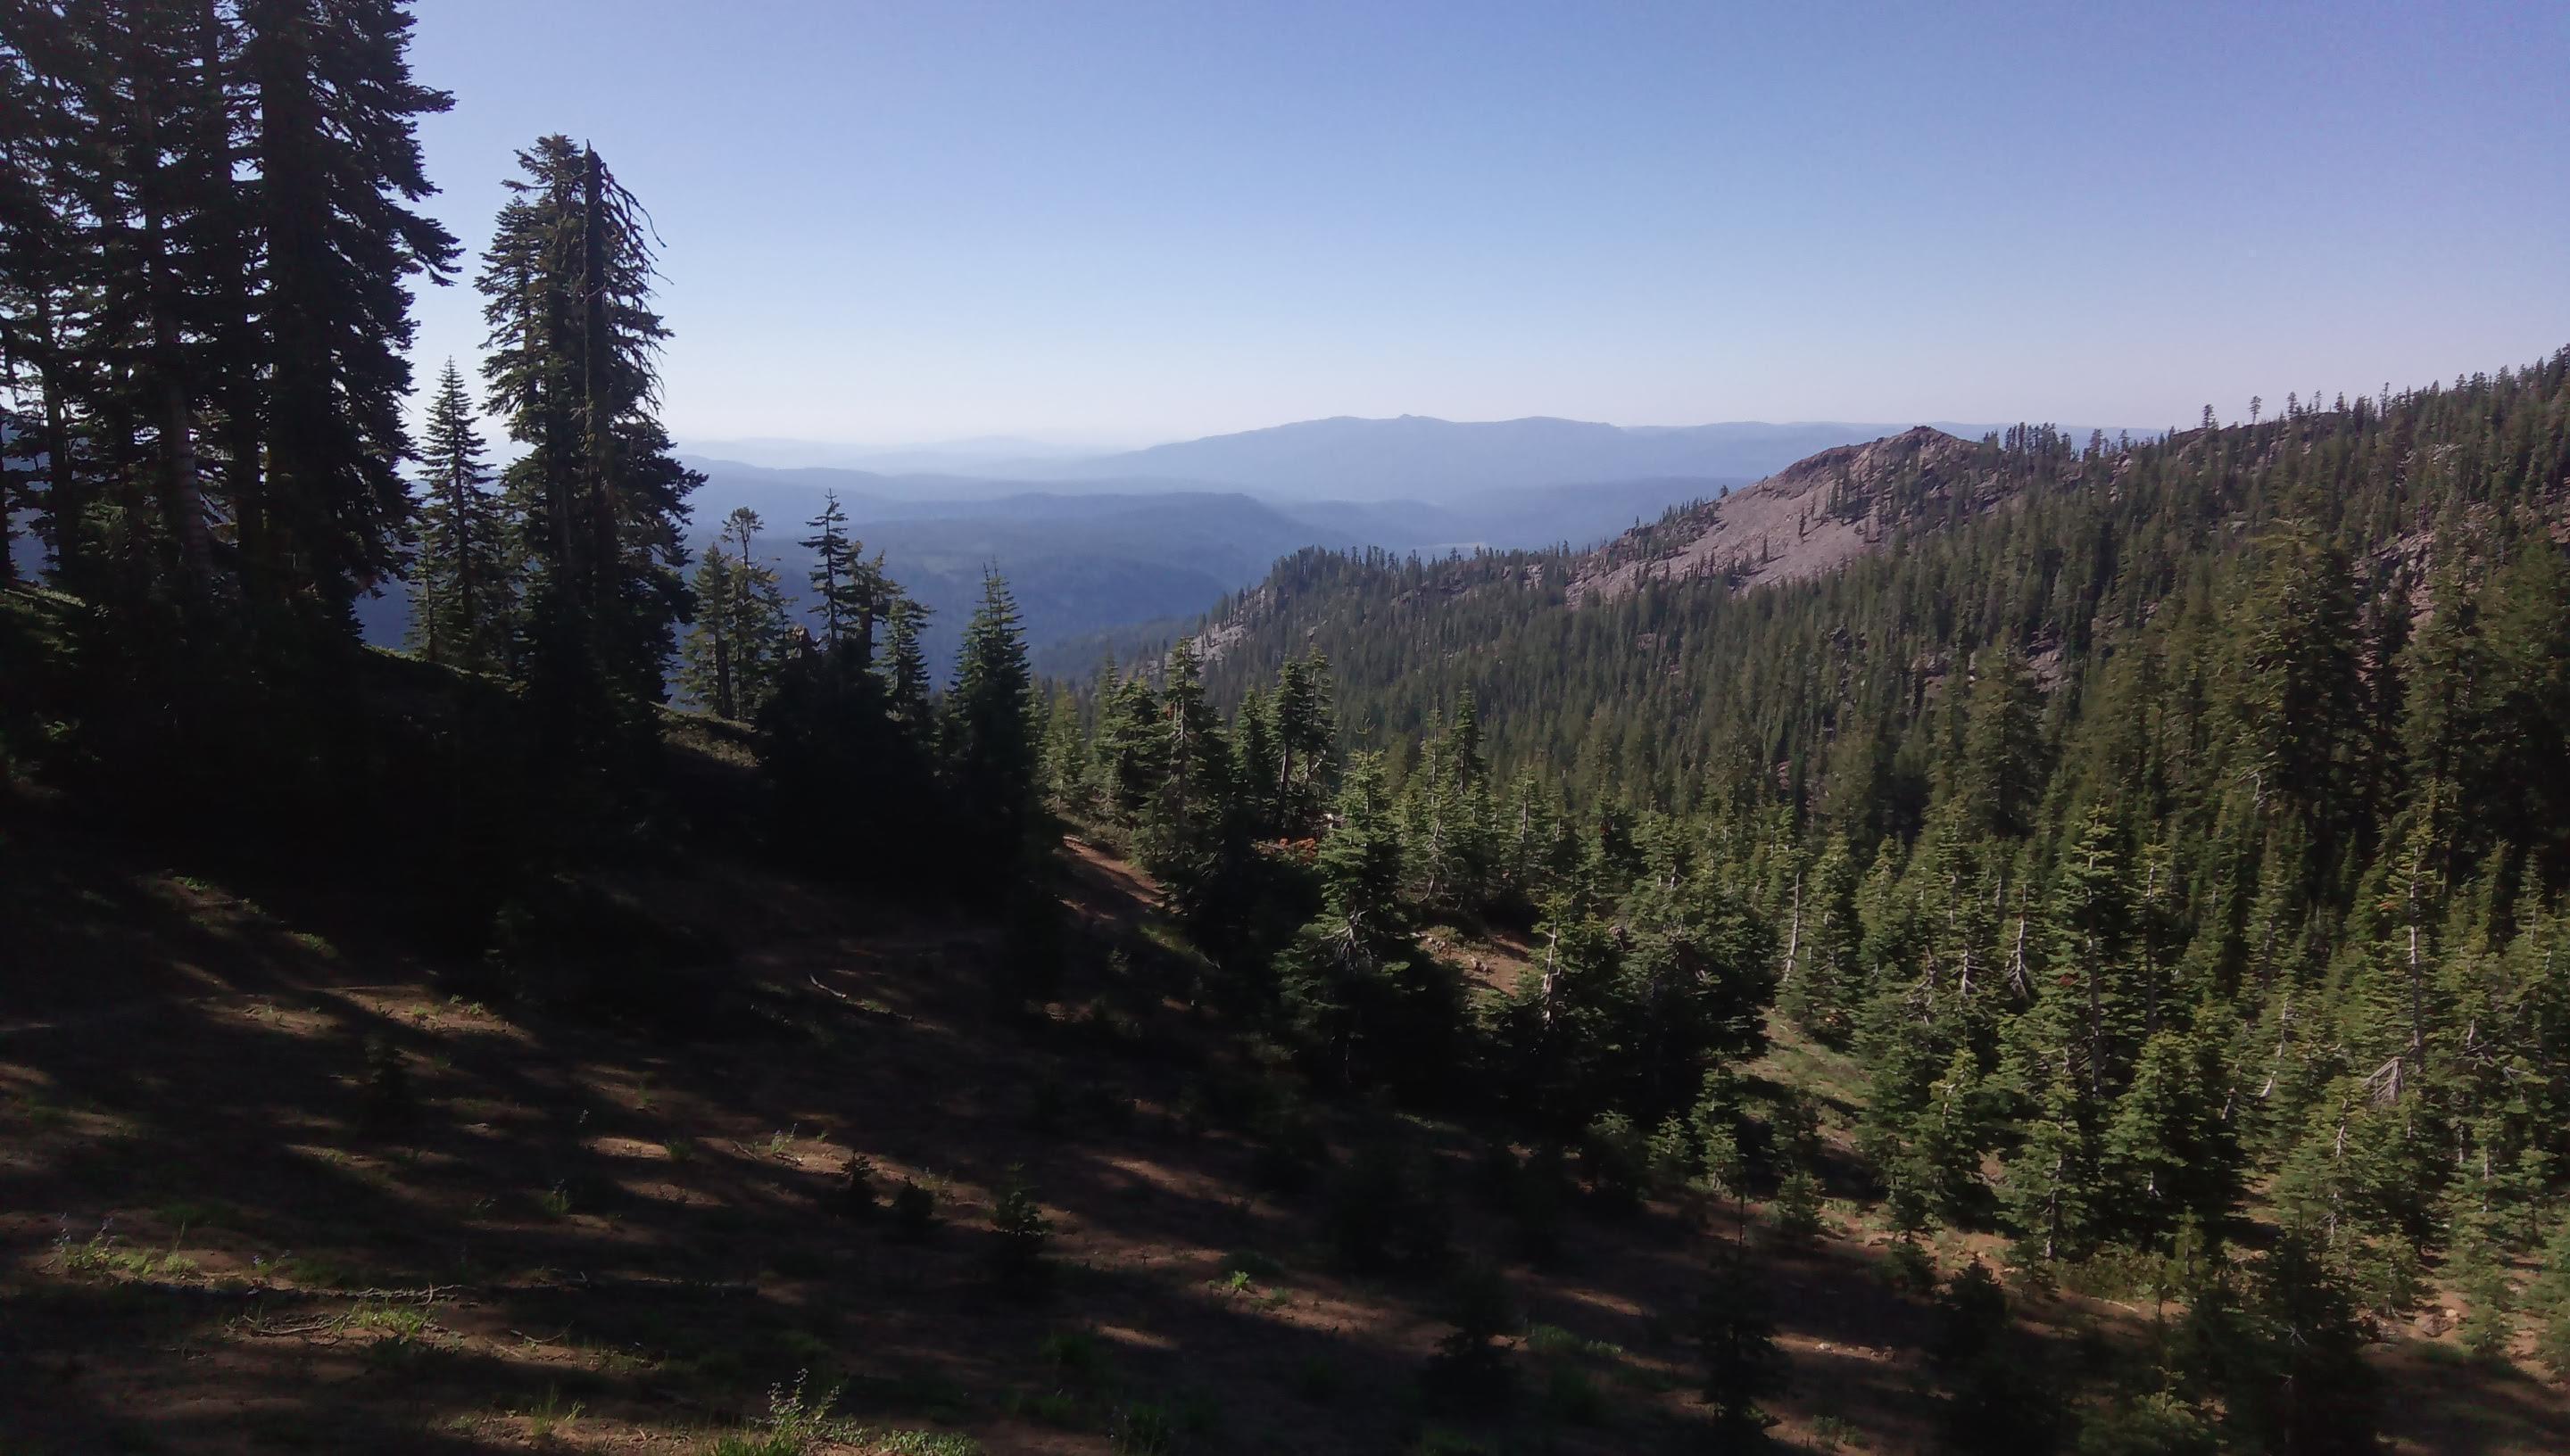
[(1411, 458), (1089, 556), (1421, 459), (1095, 542)]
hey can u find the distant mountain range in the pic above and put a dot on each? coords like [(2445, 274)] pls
[(1098, 546), (1416, 458), (1410, 459), (1123, 551)]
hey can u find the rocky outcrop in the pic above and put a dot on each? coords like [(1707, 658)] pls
[(1807, 519)]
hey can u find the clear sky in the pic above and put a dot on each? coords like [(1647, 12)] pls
[(1123, 223)]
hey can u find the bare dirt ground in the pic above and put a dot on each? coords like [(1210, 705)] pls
[(586, 1237)]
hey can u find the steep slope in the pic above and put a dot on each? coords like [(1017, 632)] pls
[(1869, 576), (1809, 519)]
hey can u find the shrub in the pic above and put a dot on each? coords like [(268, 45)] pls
[(1992, 1393), (576, 944), (914, 1212), (1569, 1395), (1382, 1216), (1316, 1379), (1024, 1232), (1045, 1105), (1469, 1366), (1617, 1158), (1495, 1173), (1726, 1171), (1541, 1207), (1742, 1363), (855, 1196), (1290, 1149), (1909, 1269), (1033, 946), (1797, 1207), (2487, 1300), (1075, 1354), (1198, 1413), (1142, 1430), (1794, 1130), (390, 1106), (1555, 1342), (1251, 1264), (1670, 1155), (2153, 1425)]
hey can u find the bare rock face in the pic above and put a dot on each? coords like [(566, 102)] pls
[(1807, 519)]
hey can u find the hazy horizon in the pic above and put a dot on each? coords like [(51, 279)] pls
[(787, 452), (1135, 224)]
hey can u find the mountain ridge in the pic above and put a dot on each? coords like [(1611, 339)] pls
[(1812, 516), (1370, 457)]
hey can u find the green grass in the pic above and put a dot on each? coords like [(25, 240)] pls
[(798, 1421), (1251, 1264), (551, 1417), (912, 1442), (401, 1321), (1833, 1433), (1074, 1354), (103, 1254), (1052, 1407), (39, 1114), (1553, 1342), (1142, 1429)]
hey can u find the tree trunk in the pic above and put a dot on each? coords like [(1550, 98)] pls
[(63, 501), (235, 375), (593, 378), (183, 501)]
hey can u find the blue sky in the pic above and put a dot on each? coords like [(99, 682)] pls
[(1117, 223)]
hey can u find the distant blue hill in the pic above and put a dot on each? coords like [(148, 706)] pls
[(1422, 459)]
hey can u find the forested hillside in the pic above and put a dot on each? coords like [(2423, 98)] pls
[(2172, 831), (2020, 944)]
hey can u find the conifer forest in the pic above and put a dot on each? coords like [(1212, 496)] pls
[(2051, 942)]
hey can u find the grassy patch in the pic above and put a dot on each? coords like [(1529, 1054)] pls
[(1555, 1342), (552, 1417), (1250, 1263)]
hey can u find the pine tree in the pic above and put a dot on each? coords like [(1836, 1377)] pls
[(1366, 1003), (598, 498), (2298, 694), (849, 588), (735, 657), (1194, 766), (2312, 1390), (2548, 1304), (2169, 1154), (708, 672), (38, 259), (1133, 750), (905, 665), (1819, 986), (1742, 1363), (2002, 751), (338, 160), (991, 729), (1306, 741), (1991, 1397), (2049, 1195), (463, 593)]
